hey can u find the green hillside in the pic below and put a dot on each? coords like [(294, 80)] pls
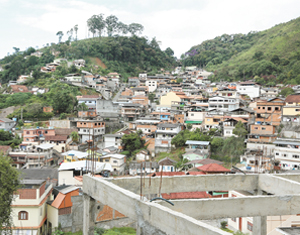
[(271, 56), (125, 55)]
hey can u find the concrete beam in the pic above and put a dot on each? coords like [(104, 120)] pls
[(278, 185), (147, 214), (216, 208), (193, 183)]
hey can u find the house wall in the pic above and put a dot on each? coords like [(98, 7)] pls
[(252, 91), (262, 129), (152, 85), (52, 216), (167, 99), (65, 177), (291, 111), (195, 116)]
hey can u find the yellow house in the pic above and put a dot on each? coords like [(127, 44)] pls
[(73, 156), (212, 121), (166, 100), (292, 105)]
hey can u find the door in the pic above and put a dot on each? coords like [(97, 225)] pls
[(240, 223)]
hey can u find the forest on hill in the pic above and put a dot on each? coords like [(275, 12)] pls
[(270, 57), (113, 43)]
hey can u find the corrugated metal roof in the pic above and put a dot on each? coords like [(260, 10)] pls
[(286, 142)]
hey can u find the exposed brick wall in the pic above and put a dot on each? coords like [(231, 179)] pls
[(65, 211), (27, 193), (42, 189), (118, 215), (105, 214), (108, 213)]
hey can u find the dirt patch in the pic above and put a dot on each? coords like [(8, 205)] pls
[(99, 62)]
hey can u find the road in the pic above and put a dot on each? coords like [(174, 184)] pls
[(119, 93)]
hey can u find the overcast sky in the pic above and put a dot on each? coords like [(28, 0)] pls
[(179, 24)]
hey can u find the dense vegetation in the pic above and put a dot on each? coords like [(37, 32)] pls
[(270, 57), (127, 55)]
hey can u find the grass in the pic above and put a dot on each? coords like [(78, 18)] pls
[(174, 154)]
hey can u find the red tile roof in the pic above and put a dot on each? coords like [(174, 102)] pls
[(186, 195), (293, 98), (213, 167), (168, 173)]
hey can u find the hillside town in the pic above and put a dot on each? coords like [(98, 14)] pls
[(169, 124)]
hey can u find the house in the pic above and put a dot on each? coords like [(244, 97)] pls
[(248, 88), (142, 155), (256, 161), (269, 92), (131, 112), (269, 111), (203, 147), (60, 208), (114, 140), (90, 130), (223, 103), (19, 88), (7, 124), (73, 77), (152, 85), (70, 173), (229, 125), (287, 152), (133, 82), (164, 134), (29, 208), (167, 165), (107, 108), (140, 91), (213, 168), (90, 101), (22, 78), (35, 156), (140, 99), (291, 110), (135, 168), (117, 162), (79, 63)]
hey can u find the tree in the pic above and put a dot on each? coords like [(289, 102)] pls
[(76, 29), (111, 23), (132, 142), (60, 34), (5, 135), (64, 102), (122, 28), (135, 28), (233, 147), (169, 51), (189, 126), (75, 136), (240, 130), (9, 183), (16, 50), (151, 97), (286, 91)]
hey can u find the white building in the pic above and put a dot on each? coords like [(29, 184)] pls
[(114, 140), (223, 103), (287, 151), (117, 162), (152, 85), (250, 89), (164, 134)]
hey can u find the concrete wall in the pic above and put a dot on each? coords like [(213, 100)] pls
[(151, 217), (60, 123)]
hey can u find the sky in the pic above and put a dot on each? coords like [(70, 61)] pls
[(178, 24)]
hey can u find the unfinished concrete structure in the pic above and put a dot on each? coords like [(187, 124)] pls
[(184, 217)]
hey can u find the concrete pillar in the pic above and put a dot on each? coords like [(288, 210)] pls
[(259, 222), (86, 214)]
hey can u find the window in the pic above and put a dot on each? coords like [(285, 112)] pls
[(106, 160), (276, 154), (263, 107), (256, 128), (295, 156), (27, 132), (23, 215), (115, 161), (269, 108), (263, 128), (277, 108), (297, 110), (192, 114), (284, 155), (249, 226)]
